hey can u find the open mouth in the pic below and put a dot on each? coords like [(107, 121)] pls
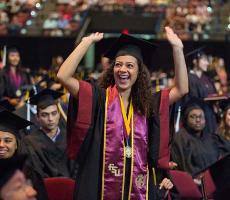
[(2, 152), (124, 77)]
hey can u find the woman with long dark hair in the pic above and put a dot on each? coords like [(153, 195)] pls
[(118, 130), (14, 77), (224, 126)]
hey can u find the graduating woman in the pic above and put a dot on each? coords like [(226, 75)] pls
[(115, 133), (14, 77)]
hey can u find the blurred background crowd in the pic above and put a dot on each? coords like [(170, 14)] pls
[(36, 36), (190, 18)]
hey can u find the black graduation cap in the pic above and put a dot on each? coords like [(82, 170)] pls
[(196, 53), (13, 49), (10, 122), (191, 104), (45, 98), (126, 44)]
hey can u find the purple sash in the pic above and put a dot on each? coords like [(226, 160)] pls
[(113, 174)]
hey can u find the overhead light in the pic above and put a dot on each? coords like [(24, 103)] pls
[(38, 5), (228, 27), (29, 22), (23, 31), (209, 9), (33, 13)]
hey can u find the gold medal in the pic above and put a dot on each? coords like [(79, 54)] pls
[(127, 121), (128, 151), (18, 93)]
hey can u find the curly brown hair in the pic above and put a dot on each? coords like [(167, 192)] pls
[(223, 128), (141, 92)]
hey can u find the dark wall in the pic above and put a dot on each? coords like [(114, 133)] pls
[(135, 22), (162, 58), (38, 51)]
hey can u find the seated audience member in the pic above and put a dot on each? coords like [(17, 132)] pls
[(192, 148), (201, 85), (13, 156), (47, 144)]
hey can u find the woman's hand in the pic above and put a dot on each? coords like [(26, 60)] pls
[(172, 165), (172, 37), (94, 37), (166, 184), (68, 68)]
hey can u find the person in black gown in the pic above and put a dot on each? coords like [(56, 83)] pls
[(201, 85), (112, 161), (47, 143), (14, 77), (192, 148)]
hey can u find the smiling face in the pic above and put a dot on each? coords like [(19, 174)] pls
[(14, 58), (8, 145), (125, 72), (203, 63)]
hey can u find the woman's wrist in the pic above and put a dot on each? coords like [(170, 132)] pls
[(177, 48), (87, 40)]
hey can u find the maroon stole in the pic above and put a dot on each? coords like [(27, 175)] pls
[(164, 153), (114, 159), (114, 152), (77, 130)]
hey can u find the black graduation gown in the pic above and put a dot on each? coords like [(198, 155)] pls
[(201, 88), (221, 175), (88, 159), (194, 154), (48, 158), (10, 89)]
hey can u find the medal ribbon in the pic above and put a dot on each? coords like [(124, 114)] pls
[(126, 119), (115, 154)]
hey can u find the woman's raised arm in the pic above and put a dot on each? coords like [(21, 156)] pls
[(68, 68), (181, 74)]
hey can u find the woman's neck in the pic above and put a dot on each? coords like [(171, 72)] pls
[(198, 72), (13, 69), (125, 97)]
